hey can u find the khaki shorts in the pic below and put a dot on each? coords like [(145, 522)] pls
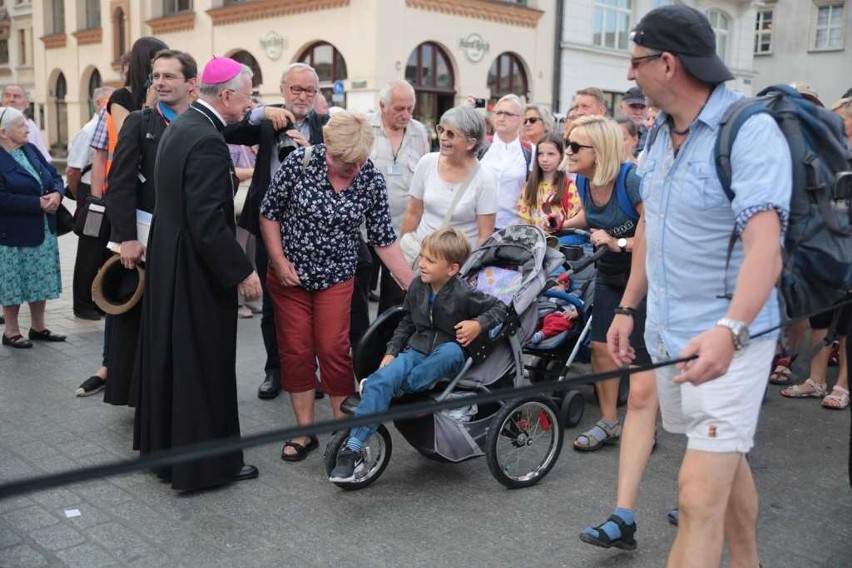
[(719, 415)]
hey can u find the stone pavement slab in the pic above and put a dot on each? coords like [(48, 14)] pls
[(420, 513)]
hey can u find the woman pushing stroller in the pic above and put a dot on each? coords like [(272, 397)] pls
[(442, 315)]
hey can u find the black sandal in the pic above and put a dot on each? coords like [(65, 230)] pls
[(301, 452), (624, 542), (45, 335), (16, 341)]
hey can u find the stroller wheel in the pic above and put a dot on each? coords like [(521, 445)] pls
[(377, 453), (572, 408), (524, 440)]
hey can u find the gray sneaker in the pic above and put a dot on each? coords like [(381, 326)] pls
[(350, 463)]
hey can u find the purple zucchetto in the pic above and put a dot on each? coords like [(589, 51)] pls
[(220, 70)]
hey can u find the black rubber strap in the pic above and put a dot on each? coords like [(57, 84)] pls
[(624, 311)]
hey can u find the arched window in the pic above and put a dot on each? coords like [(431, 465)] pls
[(119, 31), (61, 91), (721, 24), (507, 76), (329, 65), (248, 59), (430, 72), (94, 83)]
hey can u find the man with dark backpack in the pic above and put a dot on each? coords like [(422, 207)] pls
[(681, 260)]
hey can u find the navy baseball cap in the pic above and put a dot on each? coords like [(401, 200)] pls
[(685, 32), (634, 96)]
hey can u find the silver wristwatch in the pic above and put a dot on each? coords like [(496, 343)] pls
[(622, 244), (739, 332)]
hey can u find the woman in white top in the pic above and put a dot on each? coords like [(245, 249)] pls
[(441, 174)]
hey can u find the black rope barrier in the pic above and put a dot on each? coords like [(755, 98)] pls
[(221, 446)]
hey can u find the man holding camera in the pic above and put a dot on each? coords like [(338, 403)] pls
[(277, 137)]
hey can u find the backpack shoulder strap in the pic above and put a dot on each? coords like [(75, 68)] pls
[(621, 194), (526, 148), (582, 184), (729, 126)]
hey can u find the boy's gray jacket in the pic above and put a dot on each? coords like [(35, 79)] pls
[(456, 301)]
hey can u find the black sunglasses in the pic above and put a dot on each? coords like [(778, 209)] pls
[(531, 120), (575, 146), (635, 61)]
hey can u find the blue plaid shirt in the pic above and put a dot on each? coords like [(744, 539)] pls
[(689, 220)]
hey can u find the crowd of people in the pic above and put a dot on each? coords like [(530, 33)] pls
[(338, 205)]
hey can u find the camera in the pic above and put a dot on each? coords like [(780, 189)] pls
[(478, 103), (284, 143)]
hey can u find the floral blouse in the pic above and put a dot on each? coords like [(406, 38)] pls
[(319, 226), (538, 216)]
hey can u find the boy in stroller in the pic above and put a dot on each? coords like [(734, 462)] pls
[(442, 316)]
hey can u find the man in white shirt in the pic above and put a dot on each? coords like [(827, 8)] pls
[(90, 251), (507, 159), (400, 143), (16, 97)]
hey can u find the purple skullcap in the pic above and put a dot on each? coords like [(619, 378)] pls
[(220, 70)]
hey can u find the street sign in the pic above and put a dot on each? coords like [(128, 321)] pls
[(338, 88)]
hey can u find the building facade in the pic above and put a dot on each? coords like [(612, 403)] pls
[(447, 48), (804, 40), (595, 48)]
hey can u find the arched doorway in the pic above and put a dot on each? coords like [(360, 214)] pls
[(329, 65), (95, 82), (248, 60), (430, 72), (60, 93), (507, 76)]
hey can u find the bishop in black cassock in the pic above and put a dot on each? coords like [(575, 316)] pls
[(195, 266)]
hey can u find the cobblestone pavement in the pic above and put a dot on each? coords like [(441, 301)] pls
[(420, 513)]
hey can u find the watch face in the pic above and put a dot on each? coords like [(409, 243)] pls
[(622, 242)]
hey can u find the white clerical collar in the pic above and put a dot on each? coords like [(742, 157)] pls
[(215, 112)]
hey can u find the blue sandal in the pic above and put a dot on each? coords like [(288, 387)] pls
[(625, 541)]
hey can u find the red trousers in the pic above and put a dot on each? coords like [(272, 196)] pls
[(311, 327)]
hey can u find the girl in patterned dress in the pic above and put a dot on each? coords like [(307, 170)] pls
[(550, 197)]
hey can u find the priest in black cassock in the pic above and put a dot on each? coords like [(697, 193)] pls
[(195, 266)]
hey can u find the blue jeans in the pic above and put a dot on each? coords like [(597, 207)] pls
[(410, 372)]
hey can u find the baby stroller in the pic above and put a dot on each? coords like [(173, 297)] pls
[(552, 358), (520, 438)]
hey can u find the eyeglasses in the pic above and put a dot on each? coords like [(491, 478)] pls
[(635, 61), (504, 114), (451, 134), (296, 90), (164, 76), (575, 146), (531, 120)]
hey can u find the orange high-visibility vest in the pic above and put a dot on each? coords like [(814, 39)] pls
[(112, 141)]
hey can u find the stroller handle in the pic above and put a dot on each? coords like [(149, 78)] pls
[(580, 265), (571, 231)]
